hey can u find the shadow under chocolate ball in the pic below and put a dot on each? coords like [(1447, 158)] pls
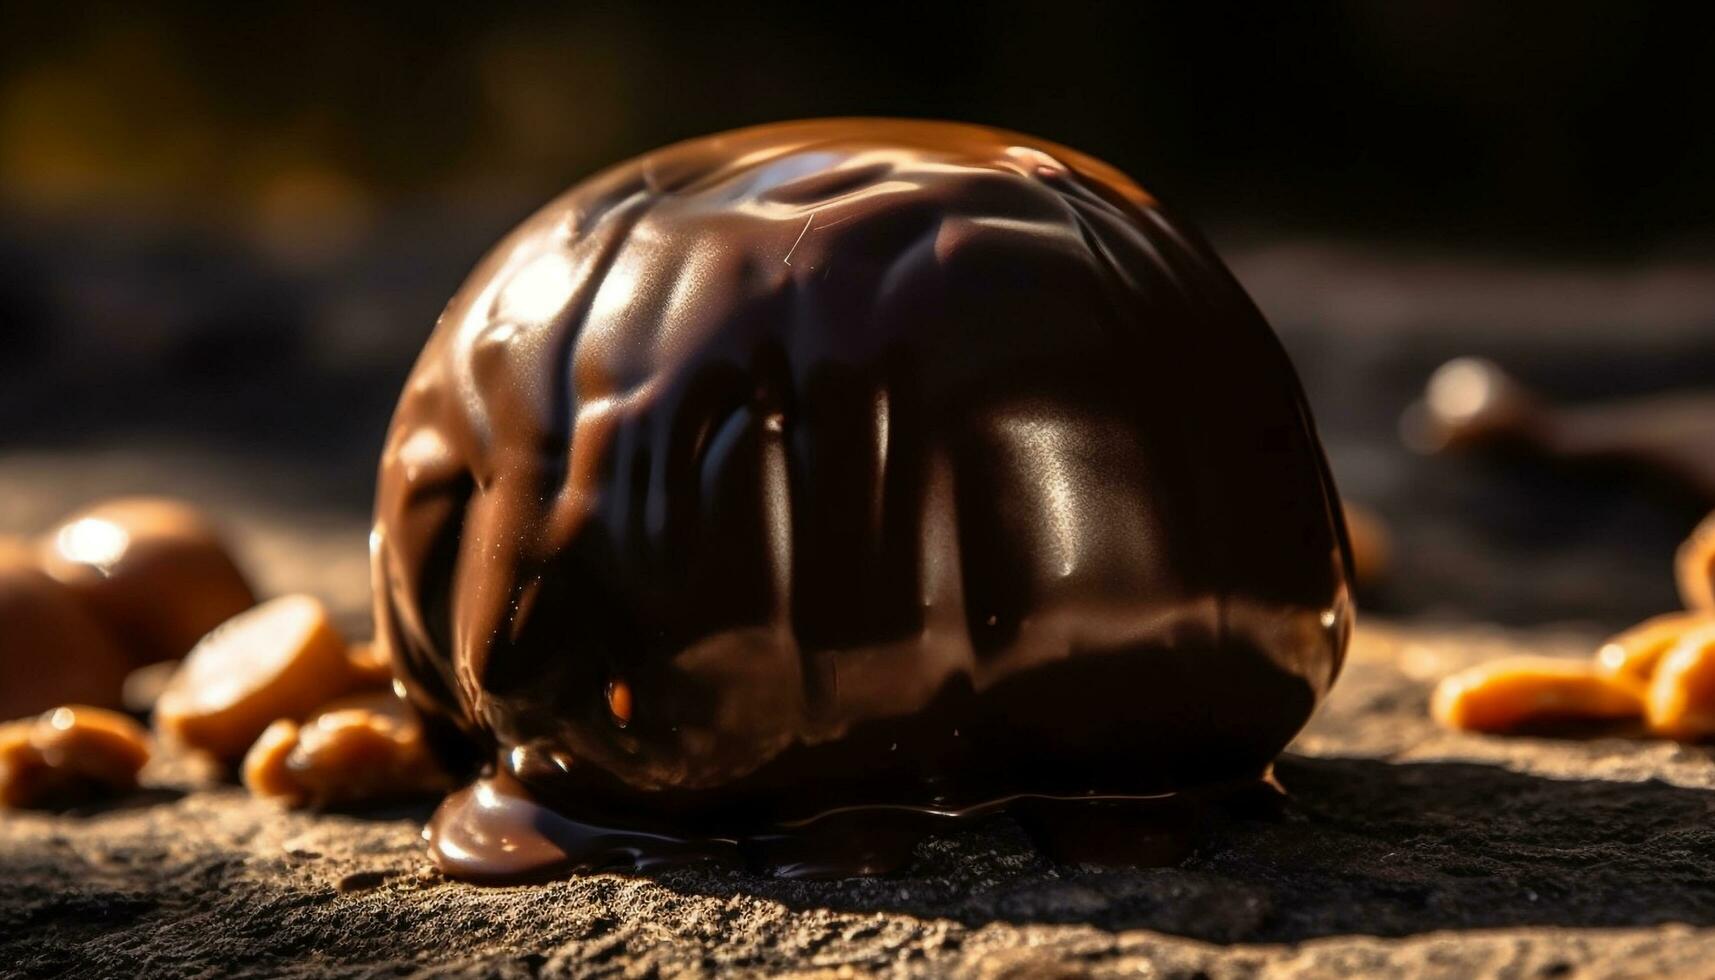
[(853, 466)]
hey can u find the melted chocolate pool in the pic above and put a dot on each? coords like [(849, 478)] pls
[(496, 831), (791, 492)]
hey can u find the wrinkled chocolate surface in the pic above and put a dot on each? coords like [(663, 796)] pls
[(882, 464)]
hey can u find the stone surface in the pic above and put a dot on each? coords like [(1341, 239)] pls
[(1405, 850)]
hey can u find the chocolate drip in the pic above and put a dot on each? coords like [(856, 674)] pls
[(879, 464)]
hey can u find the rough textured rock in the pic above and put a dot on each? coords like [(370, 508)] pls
[(1405, 851)]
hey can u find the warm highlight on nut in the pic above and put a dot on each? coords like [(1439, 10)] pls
[(1662, 669), (70, 755), (265, 772), (1694, 567), (282, 659), (1632, 657), (1526, 692), (156, 572), (369, 665), (1681, 701), (356, 750)]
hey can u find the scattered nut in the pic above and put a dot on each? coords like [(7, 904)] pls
[(281, 659), (1632, 657), (1694, 567), (1663, 668), (370, 664), (103, 744), (1470, 402), (1681, 701), (356, 750), (1521, 692), (1372, 544), (155, 571), (265, 772), (70, 755), (52, 650), (145, 685)]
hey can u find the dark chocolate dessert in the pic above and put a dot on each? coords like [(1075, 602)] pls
[(782, 491)]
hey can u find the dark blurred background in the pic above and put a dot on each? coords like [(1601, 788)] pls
[(226, 229)]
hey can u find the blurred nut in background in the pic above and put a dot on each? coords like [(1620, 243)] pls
[(1632, 657), (1695, 567), (355, 750), (70, 755), (1681, 702), (1525, 692), (156, 571), (52, 650), (370, 664), (282, 659)]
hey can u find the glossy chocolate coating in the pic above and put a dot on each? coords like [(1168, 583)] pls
[(881, 462), (156, 571)]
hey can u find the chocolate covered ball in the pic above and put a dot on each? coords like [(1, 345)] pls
[(850, 463), (157, 572)]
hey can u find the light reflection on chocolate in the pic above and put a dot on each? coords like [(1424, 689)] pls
[(895, 469)]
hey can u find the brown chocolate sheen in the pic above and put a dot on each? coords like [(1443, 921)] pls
[(156, 571), (877, 464)]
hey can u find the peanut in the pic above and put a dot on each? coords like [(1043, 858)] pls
[(355, 750), (1522, 692), (265, 765), (156, 572), (1681, 699), (1631, 657), (281, 659), (70, 755), (370, 664), (1694, 567)]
